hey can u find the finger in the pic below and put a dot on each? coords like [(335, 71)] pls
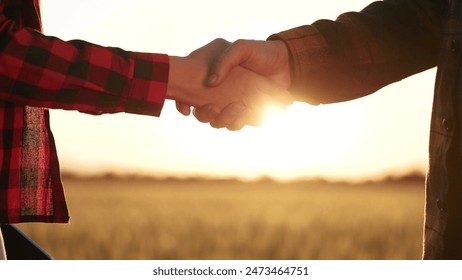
[(207, 113), (250, 117), (183, 108), (239, 123), (236, 126), (228, 115)]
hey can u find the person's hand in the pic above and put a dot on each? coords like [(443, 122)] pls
[(266, 58), (269, 59), (247, 95), (243, 93), (208, 52)]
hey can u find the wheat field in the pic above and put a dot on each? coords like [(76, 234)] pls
[(140, 219)]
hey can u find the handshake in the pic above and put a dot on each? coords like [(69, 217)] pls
[(231, 85)]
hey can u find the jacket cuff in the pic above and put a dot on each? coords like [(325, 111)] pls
[(308, 50)]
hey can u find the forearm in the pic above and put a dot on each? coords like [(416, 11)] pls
[(359, 53), (44, 71)]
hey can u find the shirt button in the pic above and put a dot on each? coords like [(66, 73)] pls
[(441, 206), (447, 124)]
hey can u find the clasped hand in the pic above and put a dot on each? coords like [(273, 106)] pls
[(230, 85)]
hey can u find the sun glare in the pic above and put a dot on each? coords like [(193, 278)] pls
[(297, 142), (319, 132), (272, 114)]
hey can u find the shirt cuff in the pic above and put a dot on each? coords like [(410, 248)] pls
[(148, 86)]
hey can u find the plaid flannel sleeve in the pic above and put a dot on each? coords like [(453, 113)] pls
[(361, 52), (44, 71)]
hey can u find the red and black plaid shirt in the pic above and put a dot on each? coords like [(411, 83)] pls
[(38, 72)]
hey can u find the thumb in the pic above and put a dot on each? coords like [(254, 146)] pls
[(220, 67)]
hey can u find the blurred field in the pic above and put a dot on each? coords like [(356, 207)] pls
[(194, 219)]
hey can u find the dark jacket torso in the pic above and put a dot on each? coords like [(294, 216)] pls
[(385, 43)]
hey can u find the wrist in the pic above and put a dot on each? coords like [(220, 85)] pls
[(175, 68), (185, 80), (284, 62)]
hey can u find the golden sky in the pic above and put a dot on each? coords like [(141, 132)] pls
[(382, 133)]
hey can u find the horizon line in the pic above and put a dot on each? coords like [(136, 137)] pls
[(411, 176)]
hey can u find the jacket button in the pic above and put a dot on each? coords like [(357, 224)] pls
[(447, 124), (441, 206)]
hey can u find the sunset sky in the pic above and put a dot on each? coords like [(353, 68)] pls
[(384, 133)]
